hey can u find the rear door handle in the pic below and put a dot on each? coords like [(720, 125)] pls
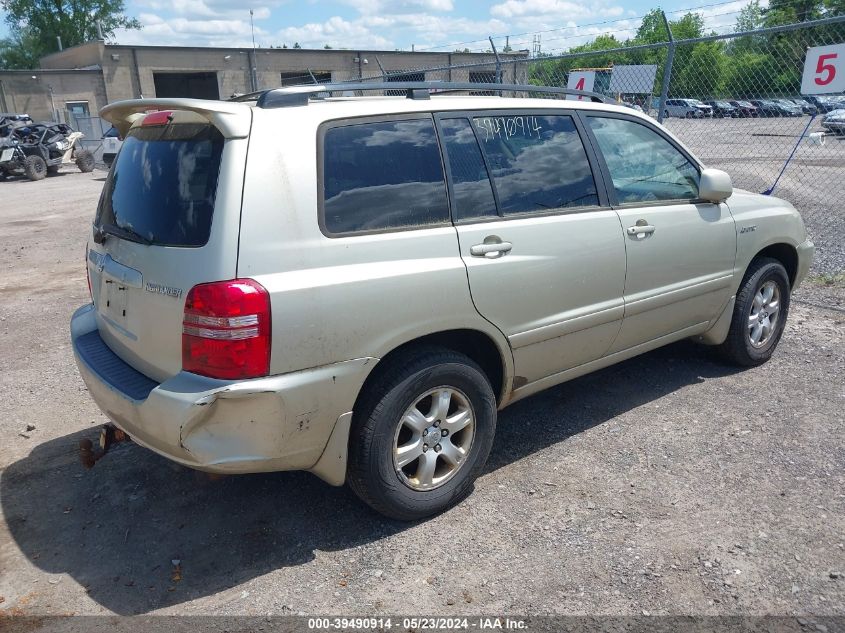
[(641, 229), (490, 250)]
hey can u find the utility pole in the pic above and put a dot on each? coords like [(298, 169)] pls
[(253, 70), (535, 46), (667, 69)]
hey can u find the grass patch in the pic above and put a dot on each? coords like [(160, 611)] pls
[(828, 279)]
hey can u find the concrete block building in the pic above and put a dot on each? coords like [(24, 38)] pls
[(78, 81)]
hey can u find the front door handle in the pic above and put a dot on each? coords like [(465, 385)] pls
[(490, 249), (641, 230)]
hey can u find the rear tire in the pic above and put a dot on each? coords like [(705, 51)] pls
[(398, 421), (35, 167), (85, 161), (760, 312)]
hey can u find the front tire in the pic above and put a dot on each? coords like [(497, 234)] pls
[(760, 311), (422, 434), (35, 167)]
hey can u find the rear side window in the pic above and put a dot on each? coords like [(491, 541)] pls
[(537, 162), (163, 184), (472, 195), (382, 175), (643, 165)]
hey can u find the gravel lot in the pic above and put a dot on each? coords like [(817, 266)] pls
[(668, 484)]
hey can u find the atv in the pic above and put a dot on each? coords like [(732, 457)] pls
[(35, 150)]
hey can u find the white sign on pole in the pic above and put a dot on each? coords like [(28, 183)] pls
[(631, 79), (580, 80), (824, 70)]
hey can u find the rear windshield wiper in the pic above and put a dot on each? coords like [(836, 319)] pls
[(121, 232)]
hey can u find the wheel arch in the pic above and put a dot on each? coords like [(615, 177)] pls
[(477, 345), (786, 254), (493, 357)]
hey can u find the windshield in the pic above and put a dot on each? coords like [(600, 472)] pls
[(162, 186)]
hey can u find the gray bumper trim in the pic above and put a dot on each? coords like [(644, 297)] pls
[(111, 369)]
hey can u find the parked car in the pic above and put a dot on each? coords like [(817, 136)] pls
[(806, 106), (824, 103), (334, 303), (722, 109), (687, 109), (834, 122), (746, 108), (633, 106), (111, 145), (788, 108), (767, 108)]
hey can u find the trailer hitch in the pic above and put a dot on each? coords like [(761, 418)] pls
[(109, 434)]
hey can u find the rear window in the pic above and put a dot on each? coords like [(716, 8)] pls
[(162, 186), (383, 175)]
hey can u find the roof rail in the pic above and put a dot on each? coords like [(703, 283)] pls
[(300, 95)]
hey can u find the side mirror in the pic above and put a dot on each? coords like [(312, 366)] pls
[(715, 186)]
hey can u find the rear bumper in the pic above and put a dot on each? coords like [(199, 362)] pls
[(266, 424)]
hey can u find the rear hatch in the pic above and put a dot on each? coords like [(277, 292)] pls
[(168, 219)]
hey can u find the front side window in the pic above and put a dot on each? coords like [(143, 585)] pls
[(537, 162), (643, 165), (383, 175)]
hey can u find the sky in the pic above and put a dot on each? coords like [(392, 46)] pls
[(435, 25), (440, 25)]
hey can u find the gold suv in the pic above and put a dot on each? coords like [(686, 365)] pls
[(355, 286)]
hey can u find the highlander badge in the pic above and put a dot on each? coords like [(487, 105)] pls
[(170, 291)]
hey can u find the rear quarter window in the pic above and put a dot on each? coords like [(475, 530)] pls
[(382, 175), (163, 184)]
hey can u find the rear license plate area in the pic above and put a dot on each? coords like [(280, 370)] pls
[(114, 300)]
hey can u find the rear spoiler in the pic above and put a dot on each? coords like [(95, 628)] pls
[(232, 119)]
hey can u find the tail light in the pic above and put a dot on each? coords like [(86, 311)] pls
[(226, 330)]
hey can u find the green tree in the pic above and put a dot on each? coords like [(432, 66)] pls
[(791, 11), (20, 50), (35, 24), (750, 19)]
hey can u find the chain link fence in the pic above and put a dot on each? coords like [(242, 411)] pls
[(93, 128)]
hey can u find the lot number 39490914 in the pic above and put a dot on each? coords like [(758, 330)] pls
[(824, 70)]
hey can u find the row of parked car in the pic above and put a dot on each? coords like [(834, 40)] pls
[(737, 108)]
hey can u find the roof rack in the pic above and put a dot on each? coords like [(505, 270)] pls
[(301, 95)]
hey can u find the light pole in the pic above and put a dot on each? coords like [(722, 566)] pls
[(253, 71)]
